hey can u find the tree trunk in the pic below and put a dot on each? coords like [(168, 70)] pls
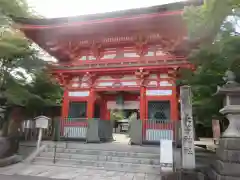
[(5, 124), (5, 129), (196, 138)]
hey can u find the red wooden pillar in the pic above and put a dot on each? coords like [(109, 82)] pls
[(108, 114), (174, 111), (143, 110), (90, 104), (143, 103), (65, 107), (174, 105)]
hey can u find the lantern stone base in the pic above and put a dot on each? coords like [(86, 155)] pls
[(4, 147), (7, 152), (10, 160), (227, 164), (184, 175)]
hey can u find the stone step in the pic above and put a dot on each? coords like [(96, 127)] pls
[(105, 153), (106, 165), (104, 147), (133, 160)]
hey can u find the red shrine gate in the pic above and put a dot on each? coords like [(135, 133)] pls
[(135, 54)]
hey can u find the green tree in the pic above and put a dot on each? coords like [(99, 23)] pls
[(214, 26), (22, 77), (204, 22), (46, 93)]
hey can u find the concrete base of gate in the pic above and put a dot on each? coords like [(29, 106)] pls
[(135, 132), (92, 132), (184, 175), (227, 165)]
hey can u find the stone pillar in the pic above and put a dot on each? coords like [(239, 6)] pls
[(188, 151), (227, 164)]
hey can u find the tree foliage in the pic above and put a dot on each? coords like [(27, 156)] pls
[(117, 115), (214, 25), (22, 71), (205, 21), (211, 65)]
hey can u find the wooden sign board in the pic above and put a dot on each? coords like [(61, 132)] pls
[(42, 122)]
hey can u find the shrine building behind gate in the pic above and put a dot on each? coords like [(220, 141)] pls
[(131, 56)]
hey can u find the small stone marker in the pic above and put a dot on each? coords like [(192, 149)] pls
[(166, 155)]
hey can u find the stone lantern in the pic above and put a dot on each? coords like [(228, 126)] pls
[(227, 163), (231, 109)]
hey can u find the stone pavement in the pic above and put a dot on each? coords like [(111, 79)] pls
[(20, 177), (70, 173)]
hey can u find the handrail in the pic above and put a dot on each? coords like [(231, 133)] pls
[(55, 147), (55, 153), (65, 136)]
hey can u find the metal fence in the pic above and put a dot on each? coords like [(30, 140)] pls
[(74, 128), (155, 130), (152, 131), (91, 130)]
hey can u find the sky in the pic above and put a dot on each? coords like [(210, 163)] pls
[(63, 8)]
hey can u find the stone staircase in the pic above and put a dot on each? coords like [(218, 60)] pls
[(106, 156)]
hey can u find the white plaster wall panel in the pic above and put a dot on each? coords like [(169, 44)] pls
[(105, 78), (152, 76), (130, 54), (85, 78), (159, 92), (150, 53), (160, 53), (103, 84), (75, 79), (84, 85), (75, 85), (129, 83), (153, 83), (109, 56), (78, 93), (129, 77), (126, 105), (165, 83), (164, 76)]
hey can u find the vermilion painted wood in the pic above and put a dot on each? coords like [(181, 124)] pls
[(158, 126), (123, 69), (74, 40), (138, 60), (90, 104), (142, 103), (107, 20)]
